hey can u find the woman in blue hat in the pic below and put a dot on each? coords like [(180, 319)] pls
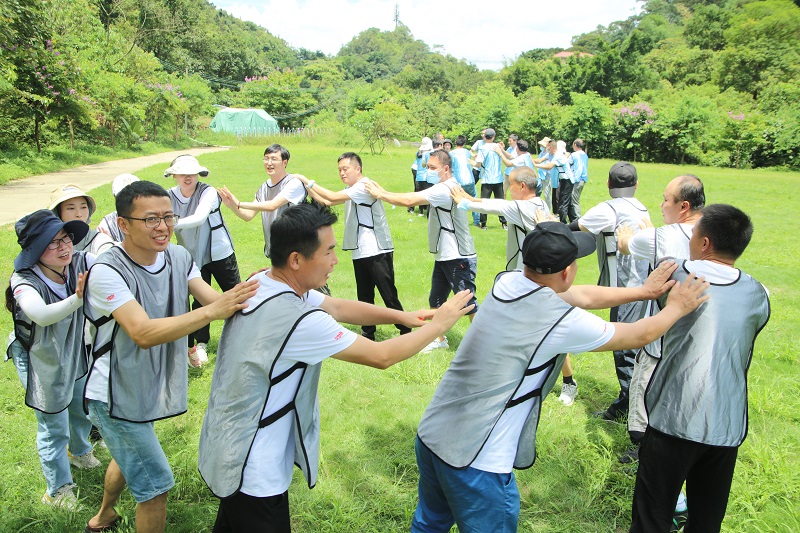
[(45, 296)]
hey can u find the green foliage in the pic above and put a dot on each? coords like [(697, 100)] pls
[(491, 105), (374, 54), (589, 117)]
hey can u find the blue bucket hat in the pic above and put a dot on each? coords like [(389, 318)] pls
[(37, 230)]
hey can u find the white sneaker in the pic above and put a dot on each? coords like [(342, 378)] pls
[(63, 498), (194, 360), (202, 352), (85, 461), (434, 344), (568, 393)]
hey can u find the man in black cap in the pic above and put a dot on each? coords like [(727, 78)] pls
[(481, 422), (617, 270)]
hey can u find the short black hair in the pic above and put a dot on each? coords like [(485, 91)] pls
[(297, 230), (728, 229), (461, 140), (437, 144), (277, 148), (138, 189), (352, 156), (522, 145), (443, 157), (690, 189), (579, 143)]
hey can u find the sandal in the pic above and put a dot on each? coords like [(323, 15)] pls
[(96, 529)]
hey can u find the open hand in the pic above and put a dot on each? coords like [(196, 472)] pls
[(659, 282), (453, 309), (233, 300), (688, 296)]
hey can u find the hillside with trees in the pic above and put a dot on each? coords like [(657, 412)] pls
[(684, 81)]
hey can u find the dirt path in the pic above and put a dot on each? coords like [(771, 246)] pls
[(20, 197)]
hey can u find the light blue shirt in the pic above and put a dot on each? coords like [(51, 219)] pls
[(511, 155), (422, 172), (491, 173), (462, 170), (542, 172), (580, 167)]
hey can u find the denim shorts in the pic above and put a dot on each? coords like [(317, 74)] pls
[(135, 448), (454, 275)]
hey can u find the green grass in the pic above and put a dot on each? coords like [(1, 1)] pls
[(367, 480)]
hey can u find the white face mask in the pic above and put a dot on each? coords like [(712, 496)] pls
[(442, 175)]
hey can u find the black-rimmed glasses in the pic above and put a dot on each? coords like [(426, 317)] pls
[(55, 244), (154, 222)]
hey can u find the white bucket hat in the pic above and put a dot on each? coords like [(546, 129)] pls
[(186, 164), (122, 181)]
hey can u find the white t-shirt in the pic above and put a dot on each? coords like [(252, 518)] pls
[(643, 244), (439, 196), (294, 191), (221, 245), (108, 293), (33, 305), (367, 242), (580, 331), (269, 467)]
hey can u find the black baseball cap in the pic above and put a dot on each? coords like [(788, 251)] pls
[(552, 246), (622, 180)]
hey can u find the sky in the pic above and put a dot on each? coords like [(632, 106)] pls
[(481, 32)]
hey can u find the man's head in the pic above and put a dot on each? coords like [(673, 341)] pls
[(276, 157), (512, 139), (440, 163), (722, 233), (550, 252), (302, 242), (622, 180), (522, 183), (544, 142), (552, 146), (350, 168), (460, 141), (437, 144), (578, 144), (141, 207), (447, 145), (489, 134), (522, 146), (683, 197)]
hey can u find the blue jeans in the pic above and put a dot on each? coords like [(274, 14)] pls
[(475, 500), (470, 189), (135, 448), (55, 432)]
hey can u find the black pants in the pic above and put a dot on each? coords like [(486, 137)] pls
[(226, 272), (623, 365), (243, 513), (556, 195), (487, 190), (665, 462), (377, 272), (566, 209), (418, 187)]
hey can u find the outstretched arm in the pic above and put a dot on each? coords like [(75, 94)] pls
[(406, 199), (594, 297), (323, 195)]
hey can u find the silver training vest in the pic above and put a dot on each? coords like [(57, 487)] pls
[(146, 384), (458, 219), (616, 269), (671, 241), (377, 224), (526, 209), (113, 228), (267, 193), (198, 239), (56, 353), (485, 374), (251, 343), (94, 242), (698, 391)]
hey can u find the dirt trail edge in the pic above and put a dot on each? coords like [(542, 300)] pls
[(20, 197)]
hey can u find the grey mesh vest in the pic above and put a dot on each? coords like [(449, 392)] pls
[(526, 210), (698, 391), (94, 242), (616, 269), (377, 224), (198, 239), (113, 228), (671, 241), (267, 193), (146, 384), (458, 219), (251, 343), (485, 374), (56, 353)]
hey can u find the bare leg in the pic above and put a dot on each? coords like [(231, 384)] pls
[(151, 516), (112, 487), (566, 368)]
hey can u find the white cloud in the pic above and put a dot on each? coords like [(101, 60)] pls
[(480, 32)]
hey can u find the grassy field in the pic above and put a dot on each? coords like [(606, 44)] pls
[(368, 476)]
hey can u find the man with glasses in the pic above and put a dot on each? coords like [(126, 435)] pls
[(137, 296), (276, 194)]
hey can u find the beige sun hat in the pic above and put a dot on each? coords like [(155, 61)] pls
[(62, 193), (544, 141)]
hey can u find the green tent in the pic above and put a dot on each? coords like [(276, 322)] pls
[(244, 122)]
